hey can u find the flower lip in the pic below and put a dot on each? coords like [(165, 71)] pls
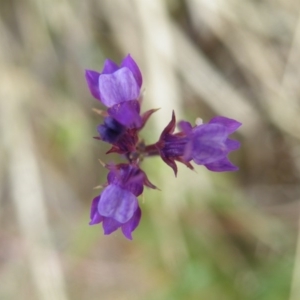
[(95, 217), (127, 113), (117, 203), (118, 87), (221, 165), (132, 224), (110, 224)]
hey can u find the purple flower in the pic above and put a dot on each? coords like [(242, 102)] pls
[(118, 206), (118, 88), (110, 224), (206, 144), (209, 144)]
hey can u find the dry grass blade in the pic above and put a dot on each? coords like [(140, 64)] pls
[(27, 191)]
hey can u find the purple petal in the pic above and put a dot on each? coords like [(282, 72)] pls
[(128, 177), (221, 165), (117, 203), (113, 176), (207, 144), (230, 124), (94, 206), (133, 67), (127, 113), (188, 151), (132, 224), (186, 127), (232, 145), (94, 215), (118, 87), (206, 154), (97, 218), (208, 133), (109, 67), (134, 183), (92, 79), (110, 225)]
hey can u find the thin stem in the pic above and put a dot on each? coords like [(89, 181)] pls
[(151, 150)]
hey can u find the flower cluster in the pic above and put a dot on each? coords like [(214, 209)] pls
[(119, 89)]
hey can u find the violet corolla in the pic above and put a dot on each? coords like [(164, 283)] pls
[(119, 89), (205, 144), (209, 145), (117, 206)]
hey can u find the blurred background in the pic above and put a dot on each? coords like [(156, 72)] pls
[(212, 236)]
